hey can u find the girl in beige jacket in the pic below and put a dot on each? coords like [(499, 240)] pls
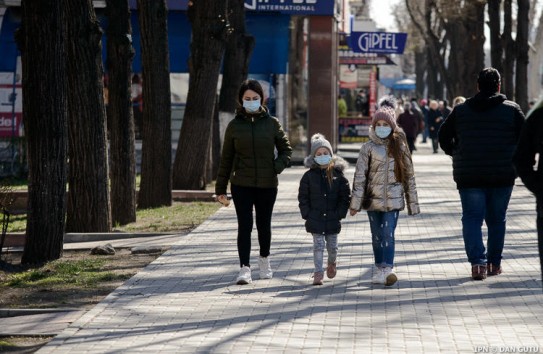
[(384, 174)]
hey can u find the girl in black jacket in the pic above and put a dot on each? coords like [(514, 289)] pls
[(324, 197)]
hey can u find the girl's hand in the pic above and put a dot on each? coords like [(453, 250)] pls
[(353, 212)]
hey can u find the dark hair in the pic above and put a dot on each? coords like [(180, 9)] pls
[(489, 80), (253, 85)]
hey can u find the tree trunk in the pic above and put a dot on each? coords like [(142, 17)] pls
[(119, 113), (238, 50), (210, 27), (535, 81), (156, 177), (89, 207), (474, 39), (237, 54), (41, 41), (420, 70), (509, 45), (521, 73), (494, 23)]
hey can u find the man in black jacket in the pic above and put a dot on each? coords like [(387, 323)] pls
[(529, 147), (481, 135)]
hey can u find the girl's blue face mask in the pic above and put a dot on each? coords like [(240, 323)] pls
[(382, 131), (323, 160), (251, 106)]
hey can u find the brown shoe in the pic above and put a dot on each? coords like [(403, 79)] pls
[(493, 270), (317, 278), (478, 272), (331, 270)]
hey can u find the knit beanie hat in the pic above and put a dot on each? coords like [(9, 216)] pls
[(387, 114), (317, 141)]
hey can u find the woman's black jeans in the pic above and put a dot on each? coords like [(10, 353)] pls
[(263, 200)]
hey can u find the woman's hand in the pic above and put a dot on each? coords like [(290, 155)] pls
[(223, 200), (353, 212)]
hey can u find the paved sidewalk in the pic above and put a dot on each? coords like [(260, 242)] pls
[(186, 301)]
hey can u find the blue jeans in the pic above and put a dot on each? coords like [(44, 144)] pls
[(318, 250), (490, 205), (383, 226)]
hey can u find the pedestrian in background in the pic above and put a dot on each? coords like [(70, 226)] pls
[(481, 135), (435, 119), (384, 174), (528, 160), (410, 123), (249, 162), (425, 110), (324, 196)]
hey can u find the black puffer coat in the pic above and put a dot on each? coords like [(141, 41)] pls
[(531, 144), (323, 205), (481, 135)]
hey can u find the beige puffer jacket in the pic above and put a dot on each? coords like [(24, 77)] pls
[(385, 193)]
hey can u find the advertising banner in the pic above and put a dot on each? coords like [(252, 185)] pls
[(354, 130), (293, 7), (378, 42)]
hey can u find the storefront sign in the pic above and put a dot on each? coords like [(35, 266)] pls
[(378, 42), (293, 7), (353, 130)]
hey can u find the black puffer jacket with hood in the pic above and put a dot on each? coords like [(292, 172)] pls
[(481, 135), (322, 204)]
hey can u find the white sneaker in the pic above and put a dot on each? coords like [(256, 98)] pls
[(244, 276), (265, 268), (378, 276), (389, 276)]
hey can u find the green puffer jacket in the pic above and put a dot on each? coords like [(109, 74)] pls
[(248, 153)]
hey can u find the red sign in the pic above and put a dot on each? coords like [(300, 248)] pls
[(373, 91), (10, 126)]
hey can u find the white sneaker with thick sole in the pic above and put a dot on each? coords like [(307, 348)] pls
[(378, 276), (265, 268), (390, 277), (244, 276)]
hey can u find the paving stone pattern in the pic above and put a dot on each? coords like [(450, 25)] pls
[(186, 301)]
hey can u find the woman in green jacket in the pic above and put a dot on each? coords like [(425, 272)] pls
[(251, 164)]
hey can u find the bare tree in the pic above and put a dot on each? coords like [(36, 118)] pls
[(119, 113), (494, 24), (210, 27), (45, 106), (536, 57), (448, 27), (89, 207), (156, 177), (238, 50), (521, 72)]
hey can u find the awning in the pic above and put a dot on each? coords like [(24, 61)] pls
[(270, 55)]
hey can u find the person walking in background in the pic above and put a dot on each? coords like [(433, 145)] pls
[(324, 196), (481, 135), (424, 108), (445, 108), (248, 161), (435, 119), (529, 153), (362, 103), (410, 123), (384, 174)]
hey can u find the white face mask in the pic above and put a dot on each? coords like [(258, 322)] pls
[(323, 160), (383, 132), (251, 106)]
